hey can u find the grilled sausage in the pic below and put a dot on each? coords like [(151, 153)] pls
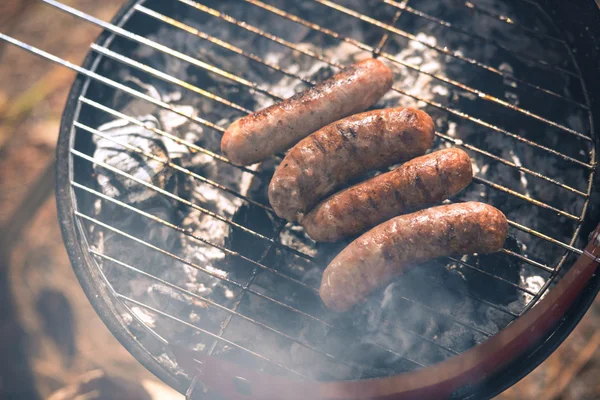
[(416, 184), (277, 128), (328, 158), (386, 250)]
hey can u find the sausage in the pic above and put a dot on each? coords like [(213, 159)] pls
[(328, 158), (386, 250), (277, 128), (416, 184)]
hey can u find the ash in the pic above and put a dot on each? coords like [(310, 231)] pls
[(423, 317)]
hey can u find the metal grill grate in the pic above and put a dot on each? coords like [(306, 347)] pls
[(271, 242)]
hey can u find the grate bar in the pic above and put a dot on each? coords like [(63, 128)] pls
[(246, 286), (545, 237), (191, 146), (431, 103), (444, 50), (386, 35), (294, 251), (223, 278), (495, 128), (165, 77), (511, 22), (471, 295), (476, 35), (221, 307), (230, 252), (218, 42), (528, 260), (109, 82), (208, 333), (188, 172), (173, 166), (159, 47), (461, 262), (311, 54), (446, 316), (175, 197), (455, 141), (442, 78), (187, 233), (460, 143), (196, 266), (523, 197)]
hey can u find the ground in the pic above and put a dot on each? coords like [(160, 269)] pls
[(43, 310)]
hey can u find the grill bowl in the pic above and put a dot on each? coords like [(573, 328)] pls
[(146, 346)]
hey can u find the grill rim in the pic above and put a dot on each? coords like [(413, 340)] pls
[(104, 301)]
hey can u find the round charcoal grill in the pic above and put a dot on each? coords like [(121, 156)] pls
[(183, 258)]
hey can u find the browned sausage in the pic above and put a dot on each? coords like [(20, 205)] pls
[(416, 184), (343, 150), (277, 128), (386, 250)]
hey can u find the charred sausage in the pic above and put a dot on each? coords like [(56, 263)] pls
[(386, 250), (277, 128), (414, 185), (328, 158)]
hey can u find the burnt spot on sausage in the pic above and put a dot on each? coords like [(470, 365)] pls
[(421, 186), (372, 202), (399, 198), (318, 144), (348, 133)]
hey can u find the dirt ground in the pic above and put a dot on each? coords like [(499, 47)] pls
[(49, 334)]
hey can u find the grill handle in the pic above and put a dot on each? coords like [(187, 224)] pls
[(435, 382)]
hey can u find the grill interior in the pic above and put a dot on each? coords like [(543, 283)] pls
[(187, 242)]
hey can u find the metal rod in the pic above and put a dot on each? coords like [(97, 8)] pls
[(190, 173), (159, 47), (218, 42), (471, 295), (238, 301), (461, 143), (109, 82), (409, 36), (431, 103), (441, 78), (208, 333), (230, 312), (516, 194), (528, 260), (223, 278), (473, 34), (509, 21), (188, 233), (165, 77), (545, 237), (386, 35), (228, 251), (191, 146)]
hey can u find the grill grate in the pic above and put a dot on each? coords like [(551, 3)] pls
[(272, 241)]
